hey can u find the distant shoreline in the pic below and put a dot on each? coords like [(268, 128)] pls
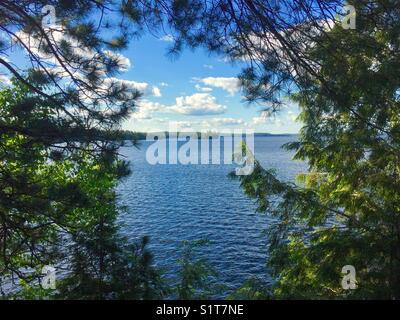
[(130, 135)]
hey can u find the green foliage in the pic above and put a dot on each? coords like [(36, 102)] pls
[(345, 210), (59, 208), (252, 289), (30, 291), (195, 275), (32, 204), (58, 151), (73, 62)]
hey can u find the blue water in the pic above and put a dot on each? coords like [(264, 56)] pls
[(172, 203)]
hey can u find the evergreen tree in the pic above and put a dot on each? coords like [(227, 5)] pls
[(195, 276), (59, 130), (345, 210), (60, 209), (71, 58)]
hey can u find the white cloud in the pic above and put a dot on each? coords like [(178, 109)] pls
[(146, 108), (264, 117), (259, 120), (272, 120), (141, 115), (202, 89), (228, 121), (229, 84), (208, 66), (217, 124), (261, 43), (124, 63), (157, 92), (56, 35), (286, 116), (197, 104), (167, 38), (143, 87), (4, 80), (163, 84)]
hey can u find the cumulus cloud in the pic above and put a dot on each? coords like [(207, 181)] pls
[(146, 108), (229, 84), (145, 88), (197, 104), (141, 86), (202, 89), (142, 115)]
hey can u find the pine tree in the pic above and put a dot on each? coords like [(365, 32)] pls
[(60, 116)]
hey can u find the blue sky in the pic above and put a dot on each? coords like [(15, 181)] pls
[(195, 91)]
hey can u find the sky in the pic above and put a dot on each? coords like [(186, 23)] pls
[(194, 91)]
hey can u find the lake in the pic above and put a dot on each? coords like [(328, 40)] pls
[(172, 203)]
